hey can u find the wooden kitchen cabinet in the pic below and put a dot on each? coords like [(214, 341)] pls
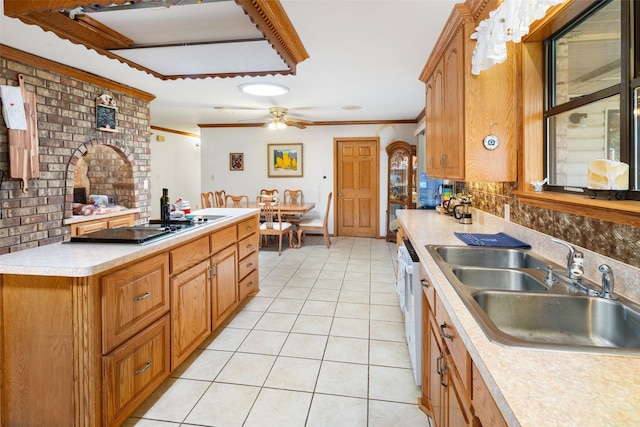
[(132, 298), (224, 284), (84, 227), (461, 109), (484, 406), (134, 370), (445, 386), (86, 351), (190, 310)]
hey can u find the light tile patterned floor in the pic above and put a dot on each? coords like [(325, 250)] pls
[(321, 345)]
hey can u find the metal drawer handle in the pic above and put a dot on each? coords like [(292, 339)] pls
[(143, 296), (249, 228), (144, 368), (249, 246), (250, 284), (249, 264), (424, 283), (444, 334)]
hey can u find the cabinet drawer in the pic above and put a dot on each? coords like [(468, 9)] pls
[(455, 345), (222, 239), (132, 298), (189, 254), (247, 227), (247, 265), (428, 289), (249, 285), (91, 227), (247, 245), (126, 221), (134, 370)]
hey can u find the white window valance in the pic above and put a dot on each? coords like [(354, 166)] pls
[(509, 22)]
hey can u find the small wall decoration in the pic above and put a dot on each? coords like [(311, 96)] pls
[(106, 113), (236, 161), (284, 160)]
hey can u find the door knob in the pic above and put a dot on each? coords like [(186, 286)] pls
[(339, 194)]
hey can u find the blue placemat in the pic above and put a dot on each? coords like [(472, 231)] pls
[(500, 240)]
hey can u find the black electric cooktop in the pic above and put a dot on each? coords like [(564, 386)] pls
[(135, 235)]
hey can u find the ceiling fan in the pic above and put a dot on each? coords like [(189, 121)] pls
[(279, 119)]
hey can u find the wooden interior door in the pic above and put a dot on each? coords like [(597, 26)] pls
[(357, 186)]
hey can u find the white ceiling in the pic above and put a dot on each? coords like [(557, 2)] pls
[(367, 53)]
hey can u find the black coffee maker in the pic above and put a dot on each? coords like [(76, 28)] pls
[(462, 211)]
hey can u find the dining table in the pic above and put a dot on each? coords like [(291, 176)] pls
[(287, 208)]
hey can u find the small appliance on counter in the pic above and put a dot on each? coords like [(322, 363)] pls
[(462, 211)]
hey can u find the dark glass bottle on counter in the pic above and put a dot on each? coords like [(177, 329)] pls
[(165, 208)]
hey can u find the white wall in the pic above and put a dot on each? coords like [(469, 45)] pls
[(175, 164), (317, 180)]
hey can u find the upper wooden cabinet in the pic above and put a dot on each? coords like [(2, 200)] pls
[(462, 109)]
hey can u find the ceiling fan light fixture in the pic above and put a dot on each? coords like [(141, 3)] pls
[(264, 89), (277, 124)]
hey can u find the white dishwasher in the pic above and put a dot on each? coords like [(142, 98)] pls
[(410, 297)]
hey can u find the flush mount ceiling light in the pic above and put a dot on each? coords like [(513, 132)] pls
[(264, 89)]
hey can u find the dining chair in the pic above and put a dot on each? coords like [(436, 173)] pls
[(316, 224), (237, 201), (293, 197), (207, 200), (221, 198), (269, 192), (273, 224)]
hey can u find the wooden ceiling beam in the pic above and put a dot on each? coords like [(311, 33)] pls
[(267, 15)]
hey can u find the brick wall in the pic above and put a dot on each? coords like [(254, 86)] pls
[(67, 131)]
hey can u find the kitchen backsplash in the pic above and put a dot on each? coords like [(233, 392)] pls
[(617, 241)]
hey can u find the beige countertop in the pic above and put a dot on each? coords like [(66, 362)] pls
[(534, 387), (86, 259)]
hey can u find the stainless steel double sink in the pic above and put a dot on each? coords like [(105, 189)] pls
[(506, 292)]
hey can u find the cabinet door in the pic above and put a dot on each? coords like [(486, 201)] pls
[(453, 125), (436, 365), (190, 311), (434, 128), (224, 284), (458, 407)]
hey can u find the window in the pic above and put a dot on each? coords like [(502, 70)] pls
[(592, 100)]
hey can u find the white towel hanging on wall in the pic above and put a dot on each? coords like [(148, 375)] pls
[(13, 107)]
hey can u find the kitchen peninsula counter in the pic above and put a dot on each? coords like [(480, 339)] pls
[(86, 259), (535, 387), (90, 330)]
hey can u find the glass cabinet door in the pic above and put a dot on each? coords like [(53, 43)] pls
[(401, 179), (399, 175)]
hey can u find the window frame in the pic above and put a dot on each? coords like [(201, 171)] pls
[(628, 150)]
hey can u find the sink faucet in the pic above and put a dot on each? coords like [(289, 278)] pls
[(575, 259), (607, 282)]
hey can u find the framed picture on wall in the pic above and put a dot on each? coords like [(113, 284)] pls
[(284, 160), (236, 161)]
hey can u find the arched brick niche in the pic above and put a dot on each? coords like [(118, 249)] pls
[(111, 168)]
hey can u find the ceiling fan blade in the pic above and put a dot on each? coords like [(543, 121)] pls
[(297, 123), (230, 109)]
